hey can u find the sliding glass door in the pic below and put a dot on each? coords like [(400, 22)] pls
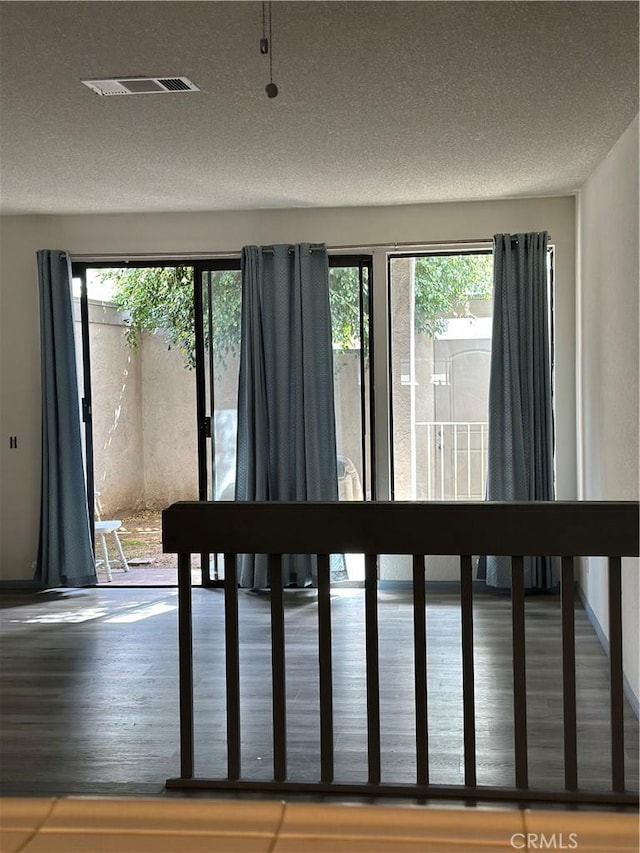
[(161, 344), (160, 357), (218, 301)]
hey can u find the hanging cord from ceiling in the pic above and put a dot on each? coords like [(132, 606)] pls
[(266, 47)]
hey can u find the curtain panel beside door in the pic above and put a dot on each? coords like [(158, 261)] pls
[(521, 444), (286, 417), (65, 550)]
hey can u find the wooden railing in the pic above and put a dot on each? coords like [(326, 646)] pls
[(564, 530)]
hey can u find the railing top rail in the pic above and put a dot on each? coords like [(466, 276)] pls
[(528, 529)]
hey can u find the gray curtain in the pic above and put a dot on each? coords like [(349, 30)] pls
[(520, 454), (286, 418), (65, 552)]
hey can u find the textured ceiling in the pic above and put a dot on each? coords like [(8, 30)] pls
[(380, 103)]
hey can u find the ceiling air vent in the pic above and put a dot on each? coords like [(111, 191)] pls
[(140, 85)]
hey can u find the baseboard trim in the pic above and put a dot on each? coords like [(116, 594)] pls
[(24, 585), (604, 642)]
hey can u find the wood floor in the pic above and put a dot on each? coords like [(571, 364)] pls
[(89, 699)]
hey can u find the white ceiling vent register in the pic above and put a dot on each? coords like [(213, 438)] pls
[(141, 85)]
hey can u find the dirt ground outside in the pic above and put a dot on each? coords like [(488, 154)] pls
[(141, 539)]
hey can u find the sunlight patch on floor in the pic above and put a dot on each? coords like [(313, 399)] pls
[(143, 613)]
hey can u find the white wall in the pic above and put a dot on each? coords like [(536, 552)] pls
[(607, 363), (211, 232), (19, 398)]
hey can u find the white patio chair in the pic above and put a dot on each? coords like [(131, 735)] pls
[(103, 527)]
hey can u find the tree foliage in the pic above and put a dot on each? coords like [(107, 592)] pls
[(344, 304), (445, 286), (160, 300)]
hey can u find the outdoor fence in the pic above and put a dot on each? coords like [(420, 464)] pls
[(449, 460)]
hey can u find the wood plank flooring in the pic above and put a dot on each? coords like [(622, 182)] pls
[(89, 699)]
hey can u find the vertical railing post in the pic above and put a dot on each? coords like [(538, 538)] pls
[(569, 676), (468, 692), (519, 672), (373, 674), (325, 669), (185, 662), (232, 659), (616, 677), (279, 699), (420, 665)]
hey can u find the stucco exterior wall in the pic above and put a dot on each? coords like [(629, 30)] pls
[(144, 417)]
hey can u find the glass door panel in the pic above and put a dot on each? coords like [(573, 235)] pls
[(218, 314), (349, 296), (218, 302), (221, 298), (139, 394), (440, 343)]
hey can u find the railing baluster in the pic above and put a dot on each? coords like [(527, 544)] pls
[(519, 672), (373, 674), (325, 669), (615, 670), (420, 664), (185, 653), (468, 699), (569, 676), (279, 706), (232, 658)]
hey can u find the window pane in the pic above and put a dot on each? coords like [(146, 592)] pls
[(351, 378), (441, 315), (222, 311), (222, 305), (349, 300)]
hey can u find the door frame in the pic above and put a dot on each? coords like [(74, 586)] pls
[(79, 270), (204, 418)]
